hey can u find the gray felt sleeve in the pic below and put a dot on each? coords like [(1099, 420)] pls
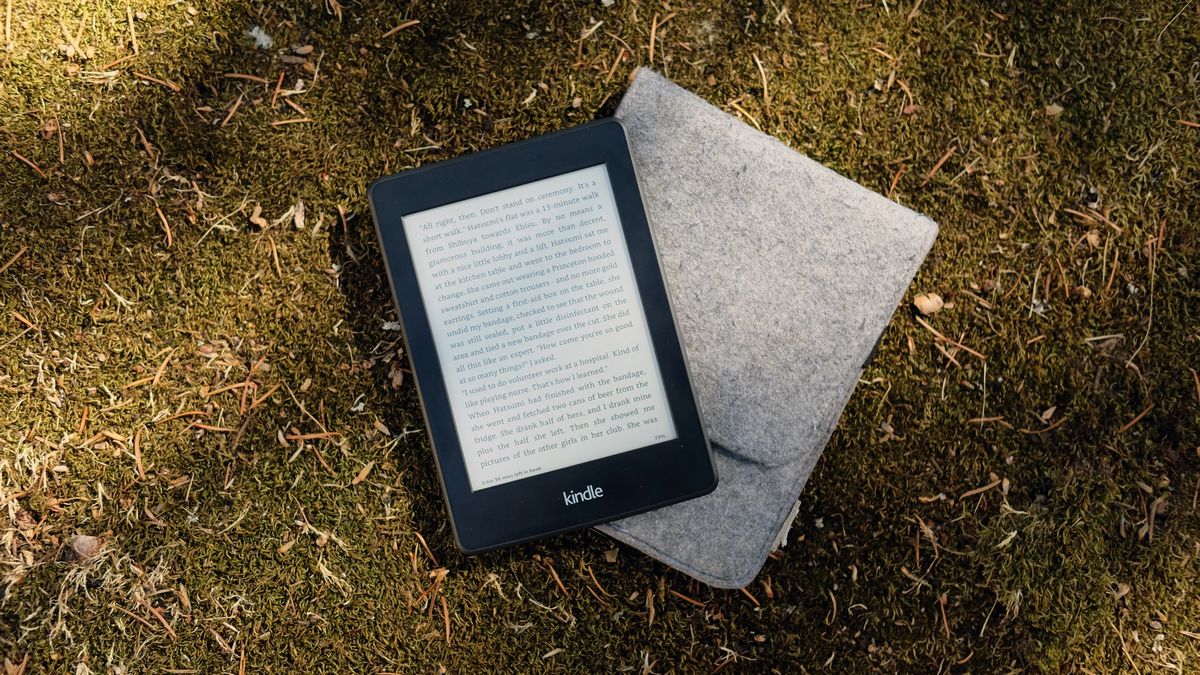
[(782, 274)]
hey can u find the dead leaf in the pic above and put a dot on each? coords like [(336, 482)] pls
[(362, 475), (889, 432), (1054, 110), (928, 303), (86, 546), (184, 599), (298, 215), (25, 521), (256, 217)]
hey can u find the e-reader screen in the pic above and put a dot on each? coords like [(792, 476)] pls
[(539, 327)]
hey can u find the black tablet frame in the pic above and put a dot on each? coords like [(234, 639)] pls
[(533, 507)]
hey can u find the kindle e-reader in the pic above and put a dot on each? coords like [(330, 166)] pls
[(550, 371)]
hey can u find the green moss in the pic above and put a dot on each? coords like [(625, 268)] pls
[(1047, 572)]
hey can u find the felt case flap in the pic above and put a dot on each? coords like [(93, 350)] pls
[(774, 265)]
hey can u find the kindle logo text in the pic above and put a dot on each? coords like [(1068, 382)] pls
[(572, 498)]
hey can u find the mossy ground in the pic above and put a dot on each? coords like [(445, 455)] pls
[(234, 547)]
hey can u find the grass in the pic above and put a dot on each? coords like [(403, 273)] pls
[(1071, 159)]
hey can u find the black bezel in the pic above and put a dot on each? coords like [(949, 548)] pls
[(633, 481)]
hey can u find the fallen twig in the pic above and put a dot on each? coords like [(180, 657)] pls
[(29, 162), (312, 436), (655, 24), (1135, 420), (132, 33), (166, 83), (947, 340), (557, 581), (595, 581), (999, 419), (979, 490), (446, 615), (244, 76), (232, 109), (209, 427), (163, 620), (937, 167), (407, 24), (1048, 429), (131, 615), (766, 92), (236, 385), (278, 86), (425, 546), (12, 261), (162, 368), (751, 596), (188, 413), (685, 598), (264, 397)]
